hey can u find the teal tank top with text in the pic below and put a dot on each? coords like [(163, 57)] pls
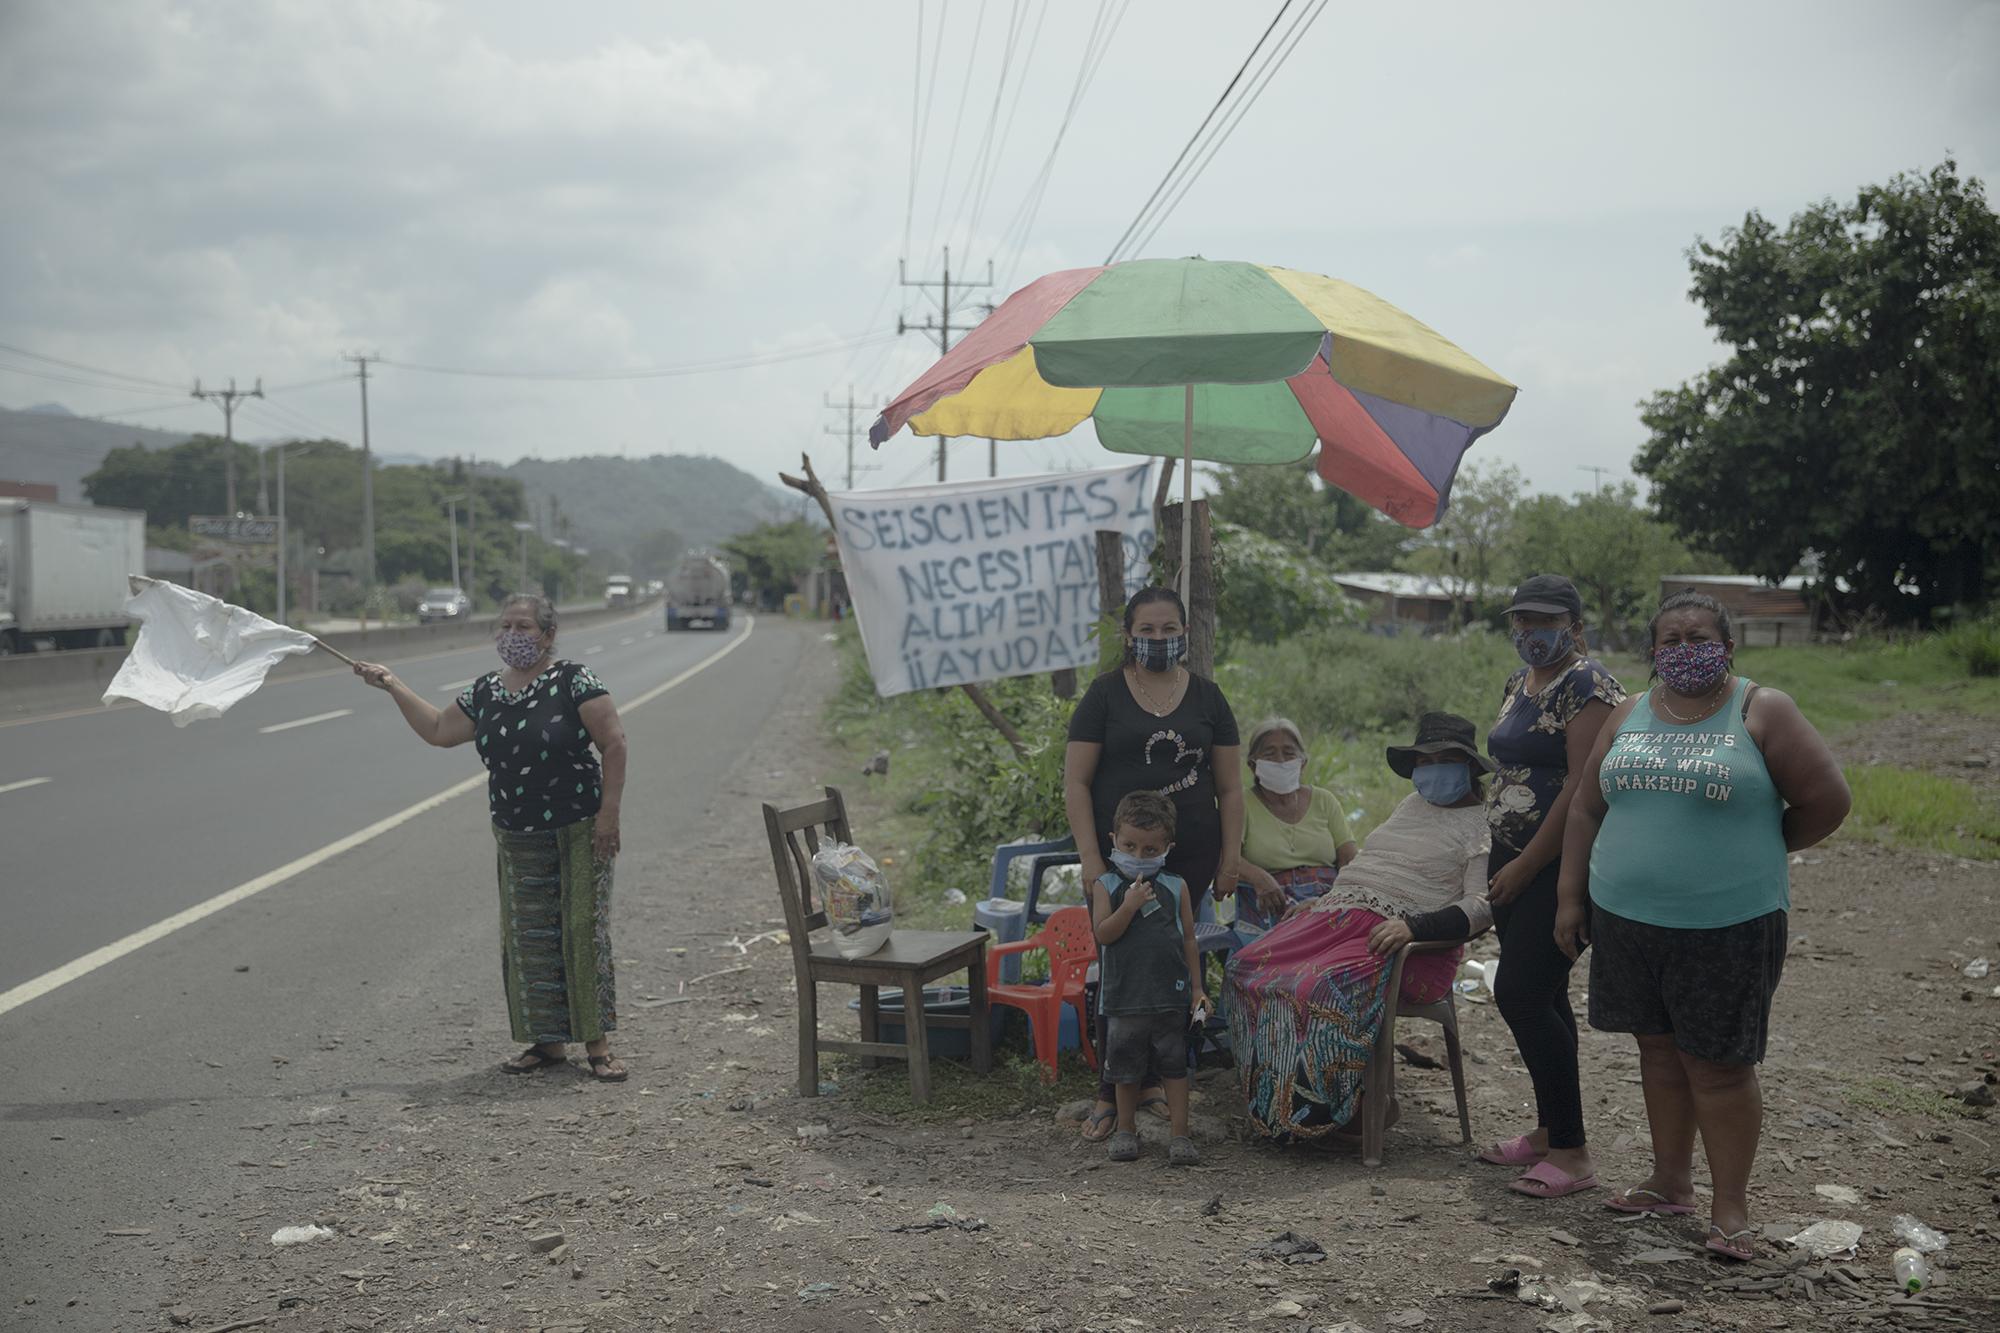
[(1694, 835)]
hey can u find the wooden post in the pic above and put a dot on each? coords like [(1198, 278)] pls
[(1063, 683), (1201, 583), (1110, 599)]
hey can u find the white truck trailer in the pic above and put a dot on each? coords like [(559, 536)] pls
[(698, 591), (62, 574)]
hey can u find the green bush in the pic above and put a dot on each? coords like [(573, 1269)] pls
[(1975, 645), (1348, 684)]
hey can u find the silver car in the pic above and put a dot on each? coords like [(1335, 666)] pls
[(441, 604)]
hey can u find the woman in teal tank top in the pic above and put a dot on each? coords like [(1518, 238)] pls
[(1675, 874)]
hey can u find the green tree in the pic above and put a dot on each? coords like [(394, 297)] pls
[(1465, 548), (1854, 419), (1268, 589), (772, 556), (1609, 547), (1288, 501)]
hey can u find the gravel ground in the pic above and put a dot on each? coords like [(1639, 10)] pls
[(705, 1194)]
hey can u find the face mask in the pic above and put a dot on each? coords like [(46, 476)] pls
[(519, 648), (1137, 867), (1540, 647), (1280, 778), (1159, 654), (1691, 668), (1443, 784)]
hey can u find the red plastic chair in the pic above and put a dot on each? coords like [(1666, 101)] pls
[(1071, 945)]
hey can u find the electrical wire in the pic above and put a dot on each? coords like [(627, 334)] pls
[(312, 383), (59, 378), (742, 361), (916, 100), (1280, 53), (1140, 218), (957, 124), (983, 159), (1007, 131), (92, 370)]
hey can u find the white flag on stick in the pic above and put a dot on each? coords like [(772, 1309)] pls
[(197, 655)]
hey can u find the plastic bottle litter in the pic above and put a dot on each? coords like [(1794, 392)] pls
[(1977, 969), (300, 1235), (1913, 1271), (1921, 1238)]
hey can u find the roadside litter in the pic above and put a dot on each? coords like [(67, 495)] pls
[(302, 1235), (1828, 1240), (1288, 1247), (1921, 1238)]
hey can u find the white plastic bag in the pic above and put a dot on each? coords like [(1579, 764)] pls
[(855, 896)]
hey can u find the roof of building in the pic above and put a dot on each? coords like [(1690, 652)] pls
[(1395, 585)]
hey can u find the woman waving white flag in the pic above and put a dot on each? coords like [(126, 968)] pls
[(196, 654)]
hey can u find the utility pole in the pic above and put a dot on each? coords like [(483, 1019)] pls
[(367, 487), (941, 325), (1597, 471), (850, 431), (228, 398), (451, 513)]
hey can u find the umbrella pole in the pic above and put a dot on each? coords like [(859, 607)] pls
[(1187, 493)]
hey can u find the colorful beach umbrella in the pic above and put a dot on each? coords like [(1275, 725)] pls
[(1221, 361)]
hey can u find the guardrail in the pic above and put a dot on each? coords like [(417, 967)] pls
[(36, 682)]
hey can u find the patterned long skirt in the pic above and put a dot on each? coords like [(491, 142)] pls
[(1305, 1006), (555, 935)]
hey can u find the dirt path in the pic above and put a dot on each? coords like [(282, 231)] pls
[(705, 1194)]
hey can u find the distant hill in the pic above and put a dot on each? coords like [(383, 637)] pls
[(615, 504), (47, 444)]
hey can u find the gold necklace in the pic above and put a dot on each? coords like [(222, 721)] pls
[(1706, 710), (1153, 704)]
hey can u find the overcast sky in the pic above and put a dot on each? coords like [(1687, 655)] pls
[(254, 188)]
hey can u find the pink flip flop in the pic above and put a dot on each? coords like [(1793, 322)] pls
[(1630, 1201), (1544, 1180), (1518, 1151)]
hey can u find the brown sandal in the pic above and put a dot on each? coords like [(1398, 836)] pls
[(600, 1069), (537, 1059)]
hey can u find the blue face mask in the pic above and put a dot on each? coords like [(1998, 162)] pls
[(1443, 784), (1540, 647), (1137, 867)]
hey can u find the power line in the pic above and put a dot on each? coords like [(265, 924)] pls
[(1007, 131), (942, 325), (60, 378), (1188, 147), (93, 370), (1273, 62), (851, 430), (916, 101), (983, 159), (957, 124), (742, 361)]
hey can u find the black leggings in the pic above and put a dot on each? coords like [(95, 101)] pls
[(1533, 995)]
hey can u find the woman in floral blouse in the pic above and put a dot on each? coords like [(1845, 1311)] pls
[(1550, 714), (555, 820)]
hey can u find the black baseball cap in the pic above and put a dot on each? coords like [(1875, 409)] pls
[(1437, 733), (1550, 594)]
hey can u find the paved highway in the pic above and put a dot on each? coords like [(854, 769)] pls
[(113, 820), (135, 1093)]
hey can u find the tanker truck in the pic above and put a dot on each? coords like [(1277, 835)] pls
[(698, 590)]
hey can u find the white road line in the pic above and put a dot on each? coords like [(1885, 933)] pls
[(626, 643), (306, 721), (159, 930), (455, 686), (593, 650), (25, 782), (648, 634)]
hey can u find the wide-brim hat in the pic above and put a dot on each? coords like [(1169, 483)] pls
[(1438, 733)]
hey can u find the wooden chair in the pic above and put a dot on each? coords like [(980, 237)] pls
[(909, 959), (1380, 1079)]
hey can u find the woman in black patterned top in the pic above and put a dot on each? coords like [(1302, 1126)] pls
[(555, 820)]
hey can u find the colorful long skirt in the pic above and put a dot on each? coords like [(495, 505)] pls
[(555, 935), (1300, 884), (1305, 1007)]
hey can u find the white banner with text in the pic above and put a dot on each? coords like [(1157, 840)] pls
[(981, 580)]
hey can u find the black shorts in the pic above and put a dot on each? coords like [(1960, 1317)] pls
[(1133, 1042), (1709, 989)]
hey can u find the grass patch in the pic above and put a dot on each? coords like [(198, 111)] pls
[(1844, 685), (1015, 1086), (1922, 810), (1889, 1096)]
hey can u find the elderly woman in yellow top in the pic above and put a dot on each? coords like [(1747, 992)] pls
[(1295, 837)]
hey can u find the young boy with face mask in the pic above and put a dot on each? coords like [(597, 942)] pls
[(1151, 973)]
